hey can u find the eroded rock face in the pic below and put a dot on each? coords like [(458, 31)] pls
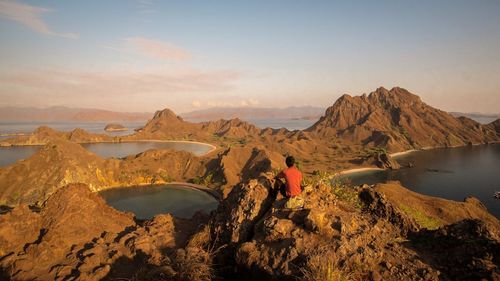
[(378, 206), (236, 216), (72, 217), (467, 250), (385, 161), (77, 236), (286, 242)]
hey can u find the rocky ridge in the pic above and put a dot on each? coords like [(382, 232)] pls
[(397, 120)]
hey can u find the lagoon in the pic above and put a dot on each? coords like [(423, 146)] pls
[(148, 201), (9, 155)]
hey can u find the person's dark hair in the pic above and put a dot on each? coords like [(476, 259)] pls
[(290, 161)]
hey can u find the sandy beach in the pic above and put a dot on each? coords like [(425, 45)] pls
[(357, 170)]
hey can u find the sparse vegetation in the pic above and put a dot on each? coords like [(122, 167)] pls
[(339, 187), (422, 219), (374, 151), (204, 180), (322, 265)]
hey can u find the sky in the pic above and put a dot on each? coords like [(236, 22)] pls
[(145, 55)]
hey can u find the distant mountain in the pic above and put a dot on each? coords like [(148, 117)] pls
[(397, 120), (479, 117), (254, 113), (62, 113)]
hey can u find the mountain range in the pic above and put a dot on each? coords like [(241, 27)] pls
[(255, 113), (62, 113)]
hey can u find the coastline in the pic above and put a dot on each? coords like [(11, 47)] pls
[(213, 147), (405, 152), (358, 170), (396, 154), (205, 189)]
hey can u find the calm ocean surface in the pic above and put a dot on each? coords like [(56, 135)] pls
[(451, 173)]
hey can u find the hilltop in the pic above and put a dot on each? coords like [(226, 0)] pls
[(397, 120)]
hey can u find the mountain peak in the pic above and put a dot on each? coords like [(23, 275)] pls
[(398, 120), (166, 114)]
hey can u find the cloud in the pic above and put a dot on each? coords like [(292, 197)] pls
[(152, 88), (157, 49), (29, 16), (146, 7), (196, 103), (231, 103)]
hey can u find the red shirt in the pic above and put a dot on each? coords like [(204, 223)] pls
[(293, 179)]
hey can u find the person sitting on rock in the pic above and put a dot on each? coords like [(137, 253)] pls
[(291, 189)]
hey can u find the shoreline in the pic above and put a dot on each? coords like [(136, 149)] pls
[(358, 170), (213, 147), (198, 187), (405, 152), (401, 153)]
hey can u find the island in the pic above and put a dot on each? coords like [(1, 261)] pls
[(115, 128)]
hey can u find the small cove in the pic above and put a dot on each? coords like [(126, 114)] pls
[(145, 202)]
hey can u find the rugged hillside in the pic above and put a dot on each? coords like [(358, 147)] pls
[(77, 236), (397, 120), (167, 125), (337, 237), (495, 126), (62, 162), (251, 236)]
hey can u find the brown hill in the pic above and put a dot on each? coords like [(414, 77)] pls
[(61, 162), (44, 134), (397, 120), (495, 126), (167, 125)]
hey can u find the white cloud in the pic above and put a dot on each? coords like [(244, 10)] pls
[(29, 16), (231, 103), (196, 103), (153, 88)]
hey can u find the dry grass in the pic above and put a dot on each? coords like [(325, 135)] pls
[(323, 265)]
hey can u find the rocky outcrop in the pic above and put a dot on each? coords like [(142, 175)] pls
[(71, 218), (236, 216), (77, 236), (385, 161), (466, 250), (374, 239), (240, 164)]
